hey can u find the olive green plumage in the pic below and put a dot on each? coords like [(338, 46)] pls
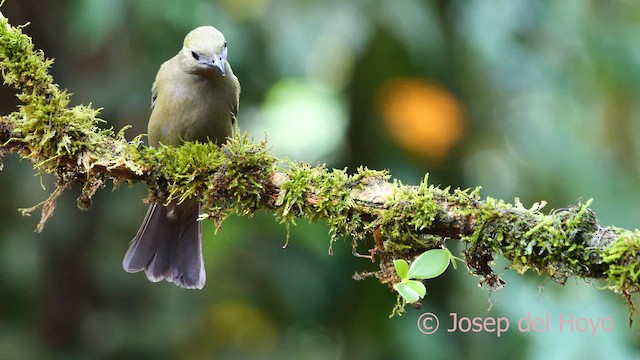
[(194, 98)]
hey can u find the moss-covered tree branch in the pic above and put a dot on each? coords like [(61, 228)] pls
[(391, 219)]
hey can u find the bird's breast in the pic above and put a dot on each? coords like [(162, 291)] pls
[(192, 109)]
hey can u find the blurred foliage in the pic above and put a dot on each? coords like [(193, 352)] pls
[(535, 99)]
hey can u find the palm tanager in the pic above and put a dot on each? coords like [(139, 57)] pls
[(194, 98)]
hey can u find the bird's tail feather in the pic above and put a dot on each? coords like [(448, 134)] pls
[(168, 245)]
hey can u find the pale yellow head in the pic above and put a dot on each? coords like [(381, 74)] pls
[(204, 50)]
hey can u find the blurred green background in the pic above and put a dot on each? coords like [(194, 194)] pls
[(534, 99)]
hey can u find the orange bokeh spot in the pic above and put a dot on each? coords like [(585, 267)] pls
[(422, 117)]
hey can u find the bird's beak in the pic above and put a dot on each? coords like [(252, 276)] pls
[(218, 63)]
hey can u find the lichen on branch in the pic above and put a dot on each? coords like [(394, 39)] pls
[(392, 220)]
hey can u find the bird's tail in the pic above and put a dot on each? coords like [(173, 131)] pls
[(168, 245)]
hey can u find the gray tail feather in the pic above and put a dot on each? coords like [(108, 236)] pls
[(168, 245)]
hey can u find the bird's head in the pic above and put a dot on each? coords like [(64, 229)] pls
[(205, 50)]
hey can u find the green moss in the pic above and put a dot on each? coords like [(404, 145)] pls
[(231, 179), (407, 214), (46, 130), (622, 259), (555, 244), (317, 193)]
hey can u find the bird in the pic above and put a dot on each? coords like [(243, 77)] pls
[(195, 97)]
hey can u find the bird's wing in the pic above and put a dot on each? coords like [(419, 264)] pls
[(154, 88), (235, 102), (154, 94)]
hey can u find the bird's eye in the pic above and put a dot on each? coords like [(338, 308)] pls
[(225, 44), (195, 55)]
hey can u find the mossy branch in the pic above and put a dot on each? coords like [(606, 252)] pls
[(242, 178)]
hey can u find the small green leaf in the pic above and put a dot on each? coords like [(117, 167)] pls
[(418, 287), (429, 264), (402, 268), (407, 292)]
